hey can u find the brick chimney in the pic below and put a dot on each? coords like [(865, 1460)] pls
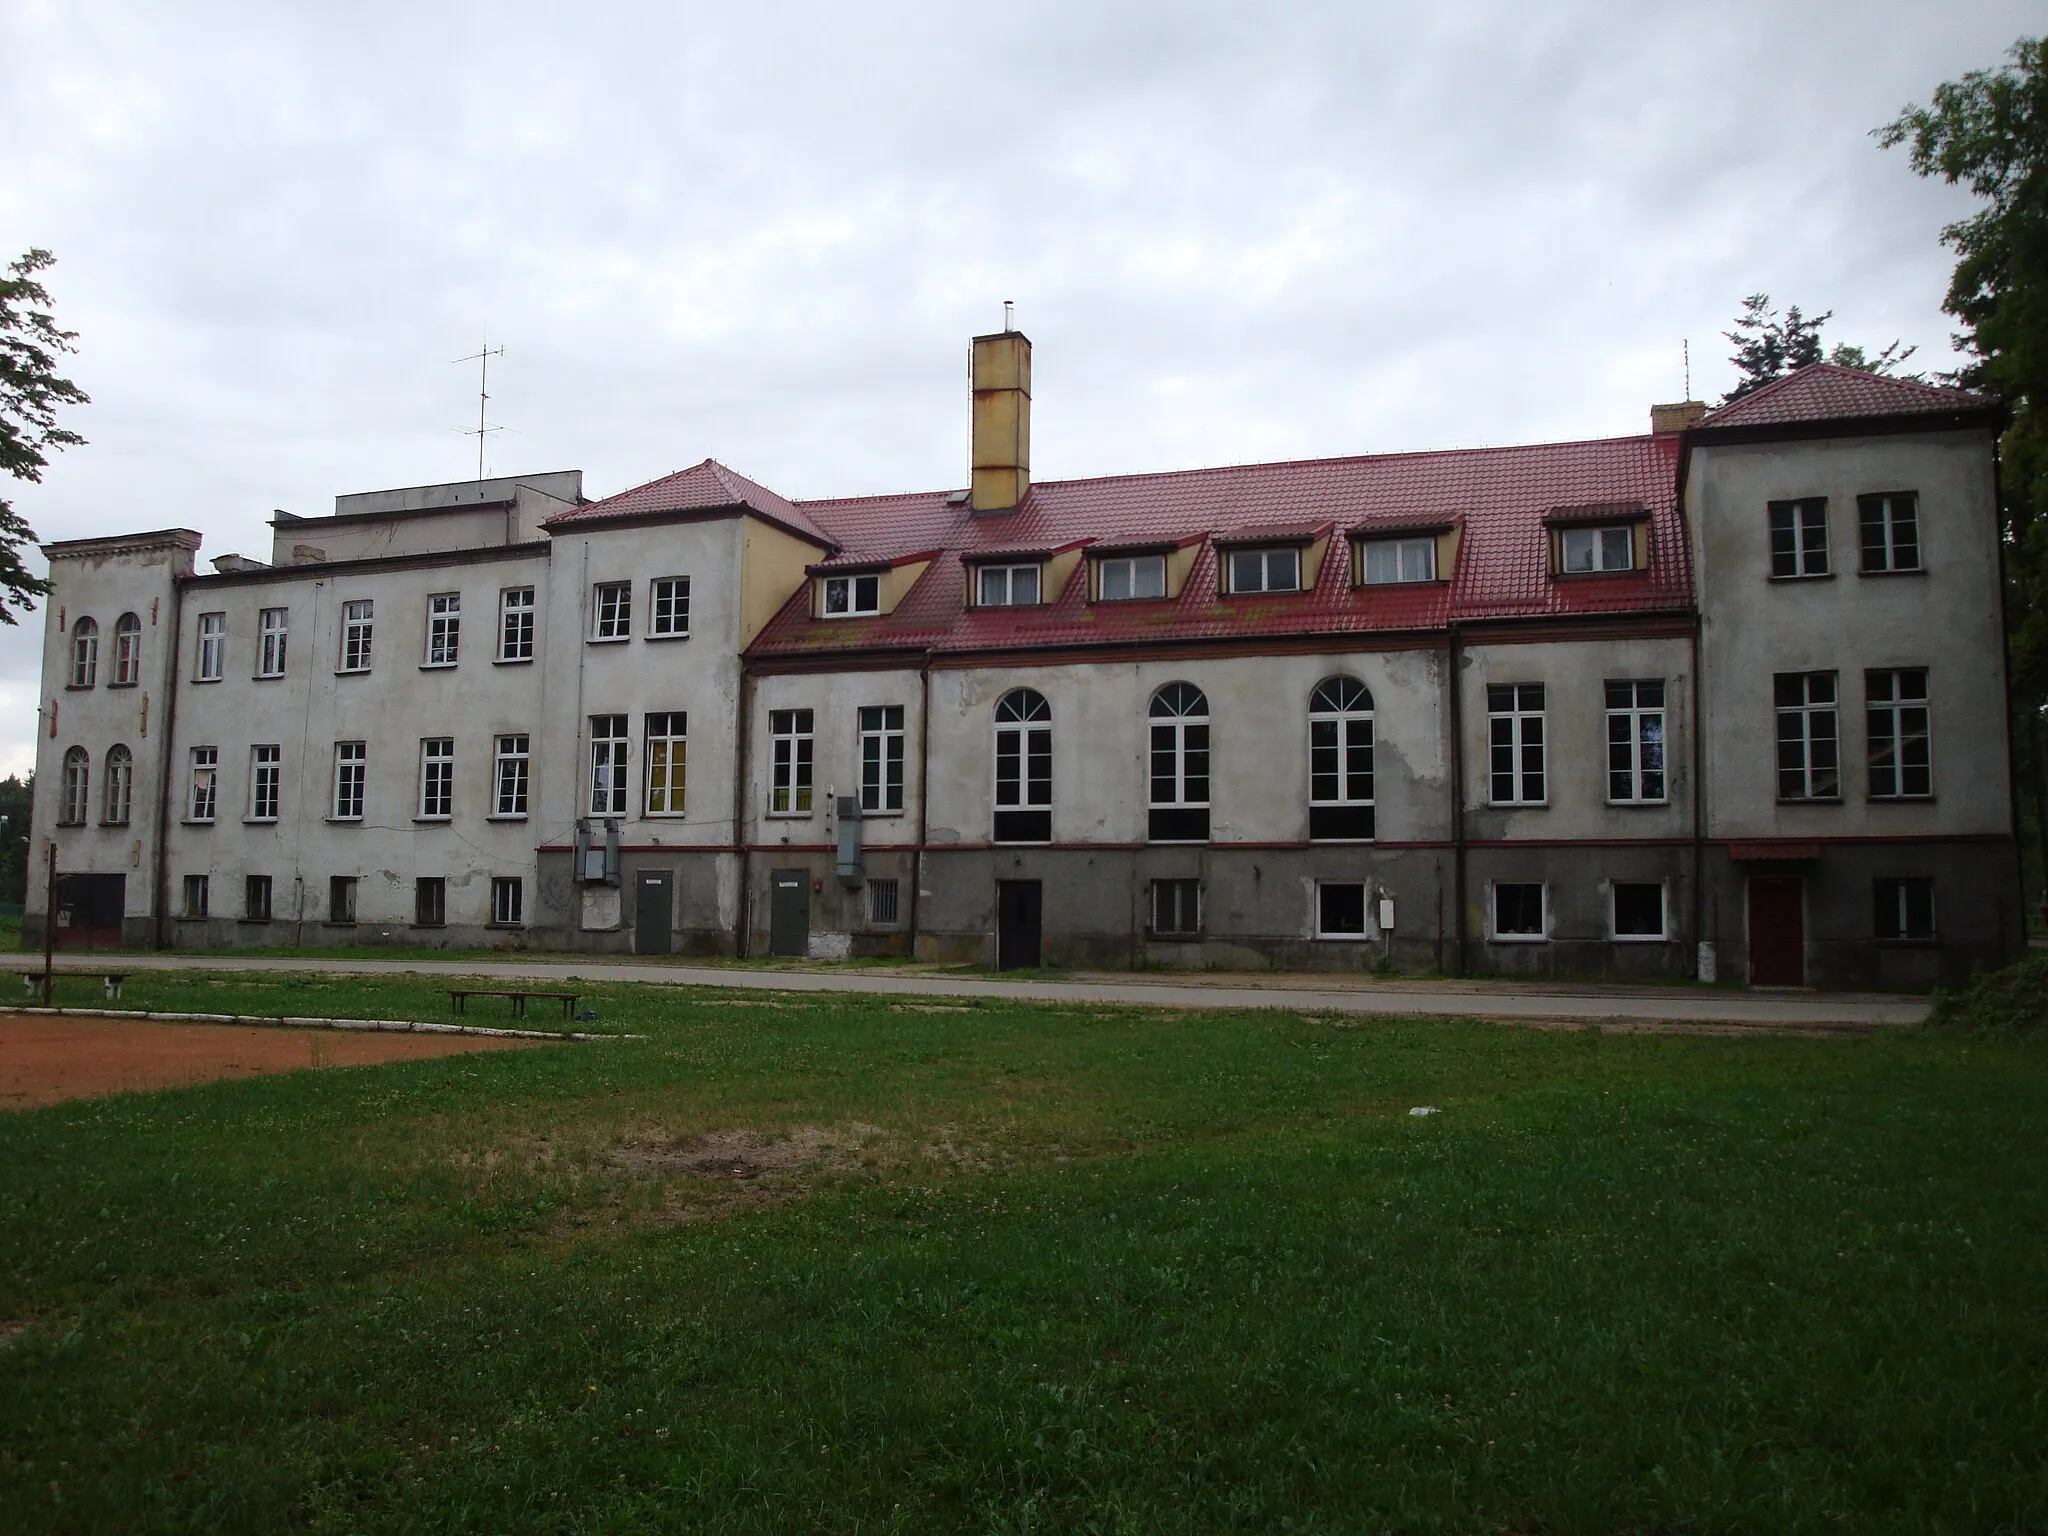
[(1001, 446), (1677, 417)]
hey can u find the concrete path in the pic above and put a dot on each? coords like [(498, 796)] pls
[(1518, 1001)]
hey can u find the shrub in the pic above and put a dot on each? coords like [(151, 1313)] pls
[(2015, 998)]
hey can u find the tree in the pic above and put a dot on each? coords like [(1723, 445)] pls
[(30, 393), (15, 795), (1769, 345)]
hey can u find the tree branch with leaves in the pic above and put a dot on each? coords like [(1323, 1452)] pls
[(31, 391)]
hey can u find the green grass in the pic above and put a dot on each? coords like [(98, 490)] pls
[(1115, 1270)]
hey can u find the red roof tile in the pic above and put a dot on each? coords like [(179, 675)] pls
[(706, 487), (1825, 392)]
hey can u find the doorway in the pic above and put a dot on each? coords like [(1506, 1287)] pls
[(1019, 905), (89, 911), (789, 912), (654, 912), (1777, 932)]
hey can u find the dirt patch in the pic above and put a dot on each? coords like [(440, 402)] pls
[(933, 1008), (47, 1060), (746, 1154), (749, 1002)]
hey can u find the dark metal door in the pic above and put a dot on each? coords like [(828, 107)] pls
[(1018, 907), (89, 911), (1777, 932), (653, 912), (789, 912)]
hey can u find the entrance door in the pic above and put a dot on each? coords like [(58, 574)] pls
[(789, 912), (89, 911), (1018, 905), (1777, 932), (654, 912)]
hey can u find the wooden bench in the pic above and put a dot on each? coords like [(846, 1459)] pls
[(458, 999), (32, 981)]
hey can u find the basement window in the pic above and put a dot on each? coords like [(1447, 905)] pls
[(849, 597)]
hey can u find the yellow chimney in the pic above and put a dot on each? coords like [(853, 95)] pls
[(1002, 422), (1679, 416)]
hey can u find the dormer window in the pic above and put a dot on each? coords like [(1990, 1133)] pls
[(1006, 586), (1585, 550), (1388, 562), (849, 597), (1122, 578), (1265, 570)]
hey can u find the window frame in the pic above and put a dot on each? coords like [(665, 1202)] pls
[(1604, 537), (882, 741), (1177, 739), (273, 632), (1130, 565), (127, 651), (1264, 556), (1663, 933), (266, 782), (1808, 712), (210, 660), (609, 755), (351, 768), (437, 780), (1898, 910), (74, 787), (893, 917), (257, 895), (669, 731), (358, 635), (862, 591), (1794, 544), (1398, 545), (1010, 572), (508, 913), (1495, 934), (668, 608), (792, 763), (611, 612), (1363, 933), (337, 885), (1023, 719), (1335, 715), (430, 901), (511, 775), (1887, 523), (444, 631), (200, 887), (117, 793), (1518, 718), (202, 790), (85, 653), (516, 625), (1176, 891), (1634, 715)]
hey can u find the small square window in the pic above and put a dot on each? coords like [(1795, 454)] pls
[(1265, 570), (1177, 908), (1638, 910), (1518, 910), (430, 902), (1340, 909), (883, 902), (1585, 550), (1126, 578), (196, 895), (1006, 586), (1905, 908), (847, 597), (508, 902), (256, 899), (341, 898), (1388, 562)]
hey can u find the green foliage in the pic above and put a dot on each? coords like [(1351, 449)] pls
[(1769, 345), (30, 393), (2010, 999), (15, 795)]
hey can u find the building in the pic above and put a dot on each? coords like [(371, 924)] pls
[(1728, 695)]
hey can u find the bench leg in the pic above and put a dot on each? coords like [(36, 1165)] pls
[(519, 1006), (455, 1002)]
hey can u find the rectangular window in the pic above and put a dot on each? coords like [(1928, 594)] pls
[(515, 624), (510, 774), (1799, 538), (883, 902), (271, 629), (1809, 759), (1177, 908), (1584, 550), (437, 778), (607, 765), (881, 758), (444, 628), (1385, 562), (1023, 810), (1518, 910), (668, 758), (1905, 908), (127, 651), (256, 899), (1891, 531), (1896, 717), (196, 895), (341, 899), (611, 610), (1123, 578), (1515, 741), (1635, 743), (356, 621), (213, 647), (668, 601), (1265, 570), (1638, 910), (850, 596), (1006, 586), (351, 761), (205, 784), (789, 787), (266, 764), (430, 902), (1340, 909), (508, 901)]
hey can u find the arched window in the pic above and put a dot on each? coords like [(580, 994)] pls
[(1180, 765), (1340, 806), (120, 785), (127, 651), (75, 788), (1023, 768), (85, 653)]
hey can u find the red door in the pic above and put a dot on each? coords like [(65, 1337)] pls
[(1777, 933)]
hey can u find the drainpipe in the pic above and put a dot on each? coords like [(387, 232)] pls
[(924, 779), (1455, 655), (169, 728), (742, 922), (1699, 808)]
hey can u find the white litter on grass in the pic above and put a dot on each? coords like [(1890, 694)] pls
[(1425, 1109)]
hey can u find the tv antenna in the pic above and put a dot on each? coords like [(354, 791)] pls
[(482, 429)]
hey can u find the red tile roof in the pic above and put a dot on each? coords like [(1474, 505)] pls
[(1498, 496), (1825, 392), (706, 487)]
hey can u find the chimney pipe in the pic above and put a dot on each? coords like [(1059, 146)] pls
[(1001, 445)]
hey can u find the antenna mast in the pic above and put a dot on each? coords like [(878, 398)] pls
[(1686, 344), (483, 396)]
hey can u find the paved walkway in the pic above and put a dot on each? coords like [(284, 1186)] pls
[(1525, 1001)]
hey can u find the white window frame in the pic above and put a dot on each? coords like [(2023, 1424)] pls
[(351, 780), (516, 607), (127, 651), (1129, 578), (437, 779), (1798, 539), (273, 629), (668, 608), (1364, 930), (1903, 722), (1341, 733), (212, 659), (609, 745), (882, 740), (85, 653), (1637, 733), (665, 748), (74, 803), (444, 629), (1267, 569), (511, 776), (1519, 730), (1177, 758), (1889, 514), (1902, 911), (1494, 934), (854, 596), (118, 795), (202, 796), (266, 780), (792, 766), (1663, 933), (508, 901), (611, 612), (358, 630), (1005, 586), (1595, 551), (1799, 725), (1023, 744), (1413, 560)]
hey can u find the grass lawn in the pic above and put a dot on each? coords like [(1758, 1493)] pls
[(804, 1263)]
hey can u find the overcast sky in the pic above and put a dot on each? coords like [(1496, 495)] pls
[(765, 233)]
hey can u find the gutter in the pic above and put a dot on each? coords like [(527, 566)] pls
[(163, 805), (1455, 656)]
